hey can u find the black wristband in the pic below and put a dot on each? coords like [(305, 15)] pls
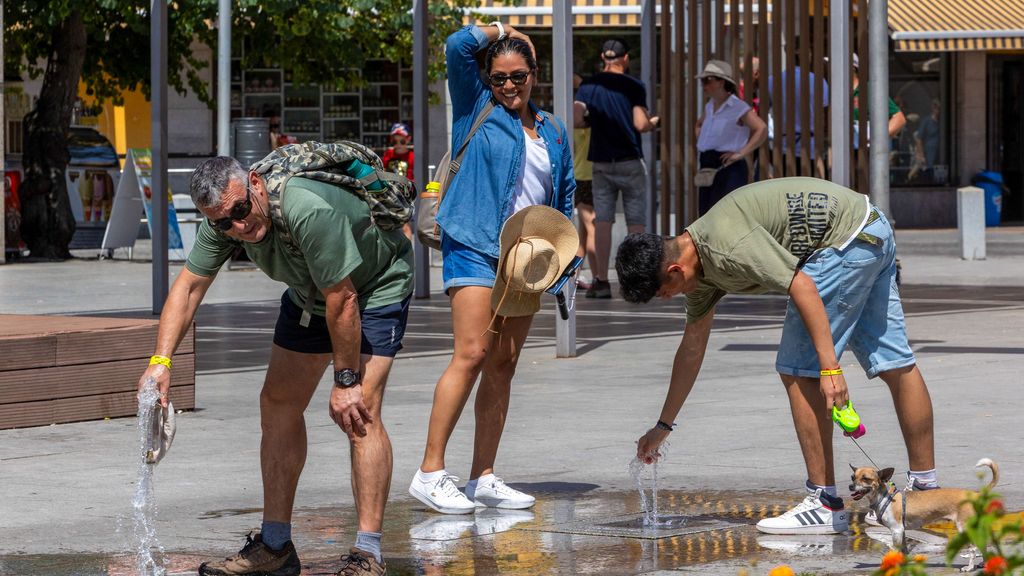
[(664, 426)]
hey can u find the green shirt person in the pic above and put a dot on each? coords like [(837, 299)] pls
[(360, 280), (834, 255)]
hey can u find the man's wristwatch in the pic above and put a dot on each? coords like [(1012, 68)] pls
[(347, 378)]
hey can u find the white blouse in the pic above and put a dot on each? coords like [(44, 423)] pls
[(533, 185), (723, 129)]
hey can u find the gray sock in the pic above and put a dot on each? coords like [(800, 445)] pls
[(369, 542), (276, 534)]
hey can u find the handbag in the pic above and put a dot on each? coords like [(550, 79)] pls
[(705, 177), (429, 202)]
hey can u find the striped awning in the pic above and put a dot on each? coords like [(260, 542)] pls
[(956, 25), (590, 13), (537, 13)]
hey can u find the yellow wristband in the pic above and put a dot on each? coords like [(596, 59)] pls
[(836, 372), (163, 360)]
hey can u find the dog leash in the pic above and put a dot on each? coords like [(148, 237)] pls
[(864, 453)]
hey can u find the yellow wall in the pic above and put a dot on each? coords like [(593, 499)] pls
[(125, 126)]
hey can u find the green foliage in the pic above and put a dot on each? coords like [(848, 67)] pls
[(320, 41)]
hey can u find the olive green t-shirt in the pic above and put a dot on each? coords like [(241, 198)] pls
[(754, 240), (333, 230)]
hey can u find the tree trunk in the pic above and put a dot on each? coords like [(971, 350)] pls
[(48, 223)]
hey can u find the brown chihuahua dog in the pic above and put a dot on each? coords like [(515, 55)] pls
[(921, 507)]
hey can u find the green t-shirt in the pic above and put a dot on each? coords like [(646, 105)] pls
[(753, 240), (893, 107), (337, 239)]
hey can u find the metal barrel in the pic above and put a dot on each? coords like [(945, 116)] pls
[(250, 139)]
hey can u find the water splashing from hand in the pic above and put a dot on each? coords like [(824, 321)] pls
[(144, 509)]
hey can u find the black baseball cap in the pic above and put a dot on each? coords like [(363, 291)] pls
[(614, 48)]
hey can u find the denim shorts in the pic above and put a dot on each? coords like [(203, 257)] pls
[(858, 287), (382, 329), (464, 266), (627, 176)]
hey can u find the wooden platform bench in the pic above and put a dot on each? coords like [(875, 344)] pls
[(57, 369)]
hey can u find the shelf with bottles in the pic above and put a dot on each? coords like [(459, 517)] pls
[(379, 120), (341, 131), (378, 141), (300, 121), (261, 105), (543, 96), (302, 96), (377, 96), (380, 72), (341, 107), (236, 95), (265, 81)]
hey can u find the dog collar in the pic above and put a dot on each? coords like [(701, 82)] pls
[(890, 494)]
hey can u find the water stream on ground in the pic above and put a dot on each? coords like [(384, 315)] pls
[(145, 545), (649, 506)]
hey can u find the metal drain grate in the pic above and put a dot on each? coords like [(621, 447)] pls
[(632, 526)]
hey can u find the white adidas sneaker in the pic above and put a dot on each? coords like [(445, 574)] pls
[(441, 493), (493, 492), (812, 516)]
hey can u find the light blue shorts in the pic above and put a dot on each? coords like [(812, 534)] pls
[(464, 266), (858, 287)]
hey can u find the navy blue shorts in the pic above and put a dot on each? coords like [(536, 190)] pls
[(382, 329)]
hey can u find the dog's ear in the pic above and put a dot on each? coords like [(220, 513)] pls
[(885, 475), (852, 467)]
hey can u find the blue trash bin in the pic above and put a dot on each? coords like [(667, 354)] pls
[(992, 184)]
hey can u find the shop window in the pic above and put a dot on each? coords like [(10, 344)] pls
[(921, 152)]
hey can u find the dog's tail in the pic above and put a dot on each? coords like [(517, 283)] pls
[(993, 467)]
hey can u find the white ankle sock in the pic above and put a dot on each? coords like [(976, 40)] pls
[(830, 490), (429, 476), (924, 478)]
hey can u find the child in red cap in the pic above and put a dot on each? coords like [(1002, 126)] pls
[(398, 158)]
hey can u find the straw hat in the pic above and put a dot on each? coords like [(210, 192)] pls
[(537, 243), (718, 69)]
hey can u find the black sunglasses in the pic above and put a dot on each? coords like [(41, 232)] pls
[(240, 211), (518, 78)]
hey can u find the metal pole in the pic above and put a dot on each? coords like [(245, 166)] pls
[(878, 87), (648, 65), (561, 41), (3, 145), (839, 109), (420, 122), (223, 77), (158, 106)]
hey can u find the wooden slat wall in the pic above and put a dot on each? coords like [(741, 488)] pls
[(771, 37), (65, 369)]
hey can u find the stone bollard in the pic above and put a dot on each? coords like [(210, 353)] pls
[(970, 218)]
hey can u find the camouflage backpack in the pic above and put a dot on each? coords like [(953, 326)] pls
[(390, 204)]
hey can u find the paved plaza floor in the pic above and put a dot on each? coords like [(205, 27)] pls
[(65, 490)]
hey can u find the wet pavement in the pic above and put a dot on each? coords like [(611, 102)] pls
[(65, 490)]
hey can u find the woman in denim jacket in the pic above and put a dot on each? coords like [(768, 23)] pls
[(518, 157)]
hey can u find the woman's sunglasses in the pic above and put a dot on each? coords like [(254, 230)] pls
[(240, 211), (498, 80)]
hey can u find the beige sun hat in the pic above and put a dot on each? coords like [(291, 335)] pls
[(718, 69), (537, 243)]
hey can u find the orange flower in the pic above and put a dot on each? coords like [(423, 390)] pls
[(920, 558), (893, 559), (995, 507), (781, 571), (996, 565)]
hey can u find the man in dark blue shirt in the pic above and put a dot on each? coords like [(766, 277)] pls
[(614, 105)]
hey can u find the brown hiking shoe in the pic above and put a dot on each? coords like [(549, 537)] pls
[(256, 559), (359, 563)]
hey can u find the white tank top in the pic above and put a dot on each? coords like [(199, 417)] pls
[(533, 184)]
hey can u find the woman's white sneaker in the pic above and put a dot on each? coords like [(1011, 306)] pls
[(438, 491), (489, 490)]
